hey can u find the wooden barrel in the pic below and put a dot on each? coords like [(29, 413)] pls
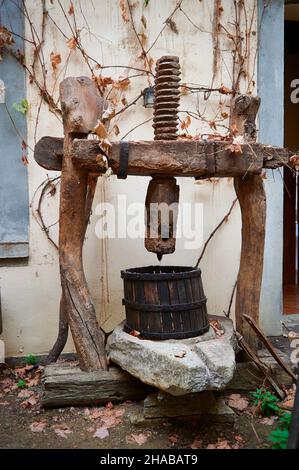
[(165, 302)]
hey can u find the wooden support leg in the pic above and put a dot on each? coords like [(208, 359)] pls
[(252, 199), (63, 326), (251, 194), (81, 108)]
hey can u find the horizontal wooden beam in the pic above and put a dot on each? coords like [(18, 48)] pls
[(202, 159), (67, 385)]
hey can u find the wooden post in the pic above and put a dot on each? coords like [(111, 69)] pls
[(251, 194), (81, 108)]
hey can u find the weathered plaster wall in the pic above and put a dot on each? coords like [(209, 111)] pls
[(30, 293)]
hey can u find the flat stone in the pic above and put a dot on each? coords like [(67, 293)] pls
[(204, 405), (178, 367)]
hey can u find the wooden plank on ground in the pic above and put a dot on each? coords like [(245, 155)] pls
[(67, 386)]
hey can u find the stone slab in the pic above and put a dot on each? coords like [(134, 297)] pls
[(178, 367)]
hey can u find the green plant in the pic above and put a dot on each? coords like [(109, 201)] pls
[(21, 383), (279, 436), (22, 107), (31, 360), (266, 402)]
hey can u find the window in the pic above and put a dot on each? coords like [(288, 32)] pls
[(14, 204)]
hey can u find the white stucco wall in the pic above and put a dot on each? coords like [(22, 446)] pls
[(30, 293)]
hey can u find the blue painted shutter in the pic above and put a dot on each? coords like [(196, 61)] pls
[(14, 204)]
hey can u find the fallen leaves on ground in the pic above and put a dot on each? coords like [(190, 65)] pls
[(197, 443), (31, 374), (174, 439), (30, 402), (222, 444), (38, 426), (25, 393), (8, 385), (109, 416), (23, 371), (101, 433), (238, 402), (268, 421), (139, 439), (62, 430)]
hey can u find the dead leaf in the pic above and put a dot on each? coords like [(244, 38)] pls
[(186, 123), (172, 24), (71, 9), (109, 416), (287, 404), (122, 84), (181, 354), (100, 130), (134, 333), (220, 444), (268, 421), (25, 160), (184, 89), (143, 21), (55, 59), (32, 401), (196, 444), (25, 393), (109, 113), (143, 40), (62, 430), (174, 439), (33, 382), (239, 438), (295, 161), (101, 433), (224, 90), (4, 403), (105, 146), (38, 426), (23, 371), (215, 324), (139, 439), (236, 145), (124, 12), (116, 129), (103, 82), (8, 385), (72, 43), (238, 402)]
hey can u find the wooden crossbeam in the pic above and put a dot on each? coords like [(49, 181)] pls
[(203, 159)]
